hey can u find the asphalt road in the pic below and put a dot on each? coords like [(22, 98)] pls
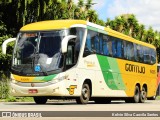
[(150, 106)]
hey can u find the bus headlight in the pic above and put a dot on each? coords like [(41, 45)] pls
[(58, 79), (14, 81)]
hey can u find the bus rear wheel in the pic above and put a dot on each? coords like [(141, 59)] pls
[(143, 95), (136, 96), (85, 94), (40, 100)]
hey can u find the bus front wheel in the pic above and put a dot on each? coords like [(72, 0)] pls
[(40, 100), (85, 94)]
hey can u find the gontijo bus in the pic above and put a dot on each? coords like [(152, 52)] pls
[(76, 59)]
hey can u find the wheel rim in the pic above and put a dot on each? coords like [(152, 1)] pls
[(143, 94), (85, 93), (137, 95)]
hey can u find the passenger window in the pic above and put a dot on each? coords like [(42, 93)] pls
[(109, 46), (153, 56), (70, 55), (105, 45), (92, 43), (114, 47), (88, 42), (101, 51), (119, 49), (130, 51), (96, 43), (147, 57), (124, 49), (136, 52)]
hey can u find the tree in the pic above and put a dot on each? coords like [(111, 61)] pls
[(92, 16), (141, 32), (70, 8), (88, 5), (132, 23), (5, 59), (150, 35), (119, 23)]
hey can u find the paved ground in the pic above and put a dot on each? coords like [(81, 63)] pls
[(115, 107)]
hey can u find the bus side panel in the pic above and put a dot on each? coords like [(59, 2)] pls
[(133, 73), (104, 83)]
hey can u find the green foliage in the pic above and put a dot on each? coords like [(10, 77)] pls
[(19, 99), (158, 98), (4, 87), (5, 59), (11, 99)]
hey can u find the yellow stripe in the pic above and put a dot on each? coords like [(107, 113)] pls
[(22, 78), (51, 25)]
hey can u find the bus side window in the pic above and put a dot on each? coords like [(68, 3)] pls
[(130, 51), (88, 45), (114, 47), (119, 48), (88, 42), (137, 52), (147, 57), (70, 55), (101, 50), (105, 45), (124, 50), (153, 56), (96, 43), (109, 46)]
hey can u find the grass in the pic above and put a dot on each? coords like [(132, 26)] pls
[(158, 98), (18, 99)]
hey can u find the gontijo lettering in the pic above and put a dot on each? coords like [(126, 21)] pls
[(134, 68)]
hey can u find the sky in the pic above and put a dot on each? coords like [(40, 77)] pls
[(146, 11)]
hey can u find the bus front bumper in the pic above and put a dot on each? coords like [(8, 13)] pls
[(57, 89)]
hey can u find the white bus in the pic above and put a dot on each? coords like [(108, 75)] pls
[(76, 59)]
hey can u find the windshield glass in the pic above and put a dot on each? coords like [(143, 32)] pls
[(37, 52)]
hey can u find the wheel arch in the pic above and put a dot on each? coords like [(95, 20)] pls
[(89, 82), (145, 86), (138, 84)]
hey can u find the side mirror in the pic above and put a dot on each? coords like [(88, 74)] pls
[(4, 45), (65, 41)]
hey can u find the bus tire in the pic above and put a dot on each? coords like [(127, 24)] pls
[(102, 100), (85, 95), (40, 100), (136, 96), (143, 95)]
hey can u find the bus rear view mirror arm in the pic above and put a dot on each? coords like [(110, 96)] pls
[(4, 45), (65, 41)]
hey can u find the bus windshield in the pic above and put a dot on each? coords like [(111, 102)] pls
[(37, 52)]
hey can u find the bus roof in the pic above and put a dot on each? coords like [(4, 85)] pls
[(64, 24), (51, 25)]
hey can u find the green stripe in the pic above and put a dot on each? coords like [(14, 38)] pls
[(46, 78), (102, 31), (111, 72), (92, 28), (97, 30)]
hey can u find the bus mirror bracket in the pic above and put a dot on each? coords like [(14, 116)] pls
[(65, 41), (4, 45)]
